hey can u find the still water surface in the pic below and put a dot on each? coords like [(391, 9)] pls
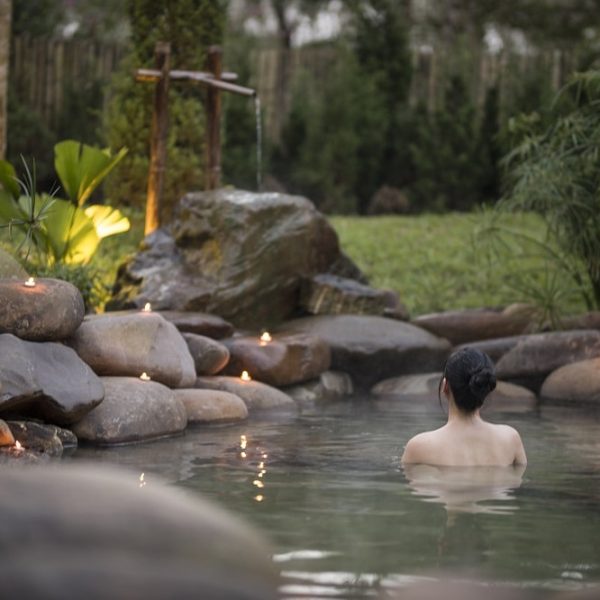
[(345, 521)]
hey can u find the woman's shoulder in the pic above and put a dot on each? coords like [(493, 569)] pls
[(420, 446)]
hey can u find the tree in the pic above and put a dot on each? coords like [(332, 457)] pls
[(5, 18)]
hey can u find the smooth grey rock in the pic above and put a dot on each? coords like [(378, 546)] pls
[(506, 396), (10, 267), (237, 254), (328, 387), (534, 357), (576, 382), (285, 360), (199, 323), (134, 343), (85, 531), (256, 395), (50, 311), (209, 356), (495, 348), (133, 410), (327, 294), (371, 348), (212, 406), (462, 326), (6, 436), (47, 380)]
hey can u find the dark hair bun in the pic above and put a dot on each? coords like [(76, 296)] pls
[(482, 382)]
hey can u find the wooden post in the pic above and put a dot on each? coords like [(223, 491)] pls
[(213, 122), (158, 139)]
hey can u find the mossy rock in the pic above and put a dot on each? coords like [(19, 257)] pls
[(10, 267)]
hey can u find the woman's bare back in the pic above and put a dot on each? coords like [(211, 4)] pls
[(472, 443)]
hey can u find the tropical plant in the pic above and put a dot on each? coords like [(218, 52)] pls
[(556, 173), (62, 231)]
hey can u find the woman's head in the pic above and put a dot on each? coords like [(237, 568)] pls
[(471, 377)]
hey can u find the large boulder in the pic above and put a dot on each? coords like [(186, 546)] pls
[(534, 357), (577, 382), (212, 406), (237, 254), (134, 343), (256, 395), (506, 397), (47, 380), (84, 531), (10, 267), (371, 348), (200, 323), (327, 294), (495, 348), (285, 360), (462, 326), (132, 410), (51, 310), (209, 355)]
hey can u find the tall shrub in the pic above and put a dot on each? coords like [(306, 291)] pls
[(190, 26)]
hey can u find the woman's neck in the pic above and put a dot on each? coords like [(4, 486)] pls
[(457, 416)]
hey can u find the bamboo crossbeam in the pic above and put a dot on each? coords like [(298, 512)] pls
[(150, 75)]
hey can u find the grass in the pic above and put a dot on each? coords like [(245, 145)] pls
[(437, 262)]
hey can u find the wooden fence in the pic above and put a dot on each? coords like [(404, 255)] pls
[(41, 70)]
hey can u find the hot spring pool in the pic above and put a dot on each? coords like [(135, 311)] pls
[(326, 487)]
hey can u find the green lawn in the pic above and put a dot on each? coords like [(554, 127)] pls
[(435, 262)]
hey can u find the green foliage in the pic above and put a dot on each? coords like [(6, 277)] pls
[(190, 26), (452, 269), (556, 173), (61, 230)]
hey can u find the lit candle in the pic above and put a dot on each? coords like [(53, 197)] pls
[(144, 376), (265, 338), (30, 282), (147, 307), (18, 446), (245, 376)]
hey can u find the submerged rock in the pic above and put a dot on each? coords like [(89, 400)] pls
[(328, 387), (534, 357), (285, 360), (462, 326), (212, 406), (132, 410), (46, 380), (506, 397), (576, 382), (50, 311), (256, 395), (371, 348), (134, 343), (237, 254), (209, 356), (85, 531)]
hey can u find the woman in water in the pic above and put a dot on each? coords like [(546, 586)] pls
[(467, 440)]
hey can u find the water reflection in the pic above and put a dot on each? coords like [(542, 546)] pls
[(466, 489)]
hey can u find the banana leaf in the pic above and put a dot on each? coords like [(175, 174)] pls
[(81, 168), (8, 179), (107, 220)]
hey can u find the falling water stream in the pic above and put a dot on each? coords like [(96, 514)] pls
[(258, 143)]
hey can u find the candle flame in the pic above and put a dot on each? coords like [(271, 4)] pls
[(30, 282), (243, 442), (265, 338), (245, 376), (147, 307), (144, 376), (18, 445)]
